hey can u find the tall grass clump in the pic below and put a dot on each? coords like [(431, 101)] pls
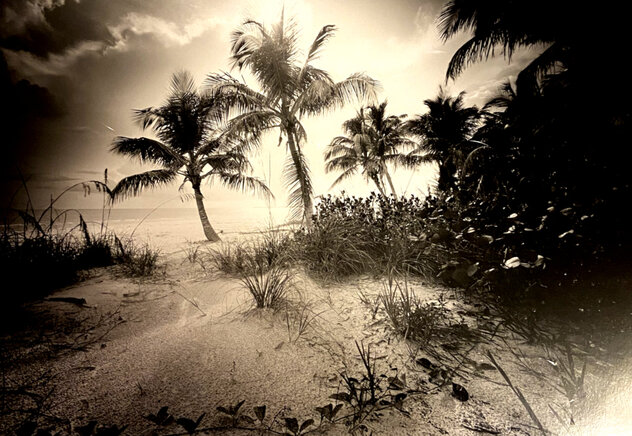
[(411, 318), (261, 265), (239, 258), (33, 266), (43, 250), (268, 285), (335, 248), (376, 234), (136, 260), (264, 270), (40, 253)]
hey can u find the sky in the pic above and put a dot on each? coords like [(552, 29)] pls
[(72, 71)]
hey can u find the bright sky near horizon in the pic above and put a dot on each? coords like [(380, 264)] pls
[(91, 62)]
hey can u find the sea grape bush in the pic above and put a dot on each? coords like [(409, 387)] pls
[(460, 242)]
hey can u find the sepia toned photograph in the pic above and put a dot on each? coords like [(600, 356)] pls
[(315, 217)]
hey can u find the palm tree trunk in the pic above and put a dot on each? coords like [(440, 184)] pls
[(376, 180), (209, 232), (390, 182), (308, 205)]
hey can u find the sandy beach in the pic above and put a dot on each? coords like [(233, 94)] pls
[(190, 339)]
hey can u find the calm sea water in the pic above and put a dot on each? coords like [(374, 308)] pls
[(226, 219), (171, 227)]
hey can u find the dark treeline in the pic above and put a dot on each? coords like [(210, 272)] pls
[(541, 171)]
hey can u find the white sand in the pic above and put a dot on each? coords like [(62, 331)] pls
[(167, 352)]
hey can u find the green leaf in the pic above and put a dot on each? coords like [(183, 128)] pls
[(335, 411), (247, 419), (341, 396), (236, 407), (292, 425), (260, 412), (189, 425), (224, 410), (514, 262), (325, 411), (306, 424)]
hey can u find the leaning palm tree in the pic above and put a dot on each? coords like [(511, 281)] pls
[(373, 140), (290, 89), (445, 132), (190, 144)]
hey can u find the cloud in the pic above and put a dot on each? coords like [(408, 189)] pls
[(44, 27), (19, 16), (168, 33), (30, 64)]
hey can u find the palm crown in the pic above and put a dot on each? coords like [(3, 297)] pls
[(289, 89), (444, 132)]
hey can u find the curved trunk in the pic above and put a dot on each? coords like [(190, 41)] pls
[(209, 232), (376, 180), (308, 205), (390, 182)]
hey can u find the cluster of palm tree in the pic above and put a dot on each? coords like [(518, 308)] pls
[(372, 140), (208, 134), (524, 145), (442, 135)]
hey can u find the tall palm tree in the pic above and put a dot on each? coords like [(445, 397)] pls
[(372, 141), (190, 144), (444, 132), (289, 90)]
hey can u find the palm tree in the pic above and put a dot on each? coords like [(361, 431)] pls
[(444, 132), (354, 152), (190, 144), (289, 90), (372, 141)]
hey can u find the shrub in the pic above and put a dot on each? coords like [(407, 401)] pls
[(268, 250), (267, 284), (335, 248), (136, 261), (37, 265)]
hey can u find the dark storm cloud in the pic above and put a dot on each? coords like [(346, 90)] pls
[(45, 27), (23, 106)]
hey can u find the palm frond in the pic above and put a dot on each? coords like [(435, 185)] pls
[(339, 146), (541, 65), (231, 161), (341, 163), (477, 48), (249, 126), (344, 176), (356, 88), (297, 181), (245, 40), (182, 84), (132, 186), (314, 51), (146, 150), (145, 117), (411, 160), (245, 183), (234, 93)]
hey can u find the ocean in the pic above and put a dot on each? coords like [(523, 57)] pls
[(168, 228)]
